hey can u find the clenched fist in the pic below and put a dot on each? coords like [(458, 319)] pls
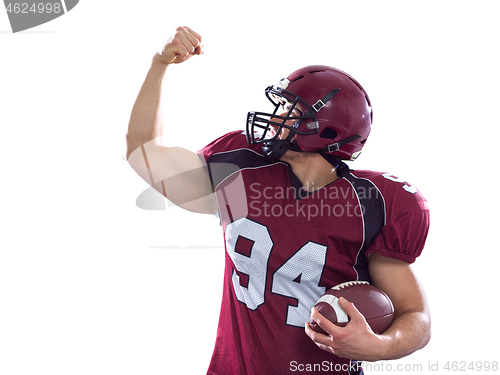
[(181, 47)]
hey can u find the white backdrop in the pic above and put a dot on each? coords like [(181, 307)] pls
[(92, 284)]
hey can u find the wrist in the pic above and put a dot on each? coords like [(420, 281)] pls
[(378, 348), (157, 69), (384, 349), (158, 59)]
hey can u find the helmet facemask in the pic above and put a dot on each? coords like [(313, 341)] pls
[(265, 127)]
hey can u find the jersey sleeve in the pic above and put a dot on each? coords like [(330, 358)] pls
[(404, 236), (221, 144)]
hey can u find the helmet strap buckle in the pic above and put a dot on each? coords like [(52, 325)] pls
[(333, 147), (322, 102), (318, 105), (336, 146)]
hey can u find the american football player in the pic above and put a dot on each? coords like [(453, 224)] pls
[(296, 220)]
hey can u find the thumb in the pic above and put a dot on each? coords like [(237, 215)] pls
[(167, 54)]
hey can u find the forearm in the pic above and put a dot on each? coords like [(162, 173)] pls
[(146, 118), (408, 333), (177, 173)]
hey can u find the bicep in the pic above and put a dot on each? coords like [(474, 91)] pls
[(398, 280), (178, 174)]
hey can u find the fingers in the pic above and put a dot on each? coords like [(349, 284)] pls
[(350, 309), (355, 340), (334, 337), (323, 322), (185, 44), (322, 341), (195, 40), (187, 41), (355, 319)]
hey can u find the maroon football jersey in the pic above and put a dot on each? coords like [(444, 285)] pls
[(286, 246)]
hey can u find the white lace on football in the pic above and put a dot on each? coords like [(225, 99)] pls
[(348, 283)]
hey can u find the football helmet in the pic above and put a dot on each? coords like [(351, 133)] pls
[(324, 109)]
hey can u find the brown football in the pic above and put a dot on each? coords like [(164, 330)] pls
[(371, 302)]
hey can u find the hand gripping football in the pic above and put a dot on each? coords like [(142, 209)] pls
[(370, 301)]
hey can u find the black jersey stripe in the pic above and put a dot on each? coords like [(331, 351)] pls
[(372, 206), (223, 164)]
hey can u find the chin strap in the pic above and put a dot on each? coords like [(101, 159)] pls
[(335, 146), (274, 150), (327, 149)]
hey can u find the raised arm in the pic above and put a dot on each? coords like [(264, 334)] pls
[(177, 173)]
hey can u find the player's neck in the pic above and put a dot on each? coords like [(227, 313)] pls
[(312, 170)]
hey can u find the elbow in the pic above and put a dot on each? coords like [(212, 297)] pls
[(422, 331), (426, 329), (410, 337), (133, 145), (130, 147)]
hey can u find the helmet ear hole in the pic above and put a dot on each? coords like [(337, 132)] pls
[(328, 133)]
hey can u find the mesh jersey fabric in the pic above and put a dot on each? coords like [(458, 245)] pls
[(285, 247)]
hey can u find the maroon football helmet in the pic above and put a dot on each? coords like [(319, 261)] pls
[(331, 113)]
